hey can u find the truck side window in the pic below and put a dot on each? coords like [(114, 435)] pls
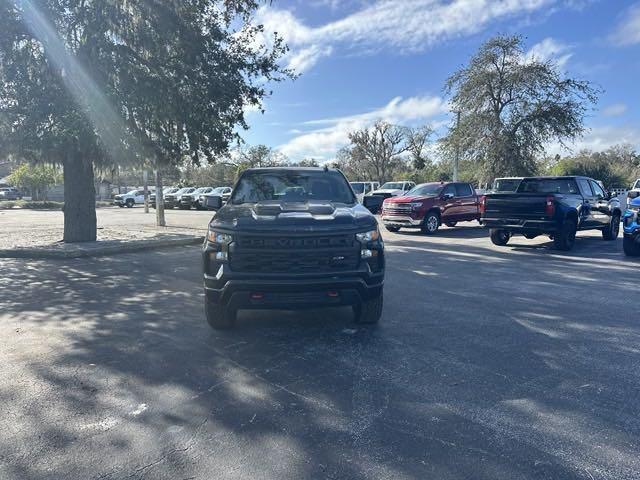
[(597, 190), (463, 190), (449, 189), (584, 187)]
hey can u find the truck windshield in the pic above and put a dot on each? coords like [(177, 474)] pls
[(636, 185), (392, 186), (427, 189), (357, 187), (292, 186), (506, 184), (548, 185)]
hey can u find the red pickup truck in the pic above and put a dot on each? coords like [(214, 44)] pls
[(429, 205)]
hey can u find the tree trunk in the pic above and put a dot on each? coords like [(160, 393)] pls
[(79, 200), (160, 221)]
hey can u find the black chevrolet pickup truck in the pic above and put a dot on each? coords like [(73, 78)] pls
[(292, 238), (554, 206)]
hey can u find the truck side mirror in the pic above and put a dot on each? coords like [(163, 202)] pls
[(212, 202), (448, 196)]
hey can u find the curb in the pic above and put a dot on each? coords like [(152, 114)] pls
[(100, 251)]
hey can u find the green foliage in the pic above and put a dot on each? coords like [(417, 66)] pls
[(510, 106), (383, 151), (618, 166), (35, 179)]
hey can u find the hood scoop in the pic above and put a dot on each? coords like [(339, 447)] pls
[(274, 209)]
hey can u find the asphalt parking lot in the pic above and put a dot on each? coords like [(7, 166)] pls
[(489, 363)]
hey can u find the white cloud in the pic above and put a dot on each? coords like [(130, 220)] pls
[(628, 30), (307, 57), (598, 139), (331, 134), (402, 25), (550, 49), (614, 110)]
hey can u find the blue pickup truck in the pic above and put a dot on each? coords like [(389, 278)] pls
[(631, 221)]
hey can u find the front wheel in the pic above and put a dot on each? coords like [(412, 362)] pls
[(611, 231), (565, 239), (631, 247), (499, 237), (369, 311), (431, 223), (130, 203), (392, 229), (218, 317)]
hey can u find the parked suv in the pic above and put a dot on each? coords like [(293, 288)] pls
[(631, 242), (292, 238), (165, 191), (173, 199), (430, 205), (188, 200), (129, 199), (554, 206)]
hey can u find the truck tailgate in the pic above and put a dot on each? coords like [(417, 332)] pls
[(515, 205)]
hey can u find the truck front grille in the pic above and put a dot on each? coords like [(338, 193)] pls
[(396, 209), (274, 254)]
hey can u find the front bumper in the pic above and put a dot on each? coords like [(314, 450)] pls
[(401, 221), (118, 202), (291, 291)]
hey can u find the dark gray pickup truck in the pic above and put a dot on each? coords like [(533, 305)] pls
[(292, 238), (554, 206)]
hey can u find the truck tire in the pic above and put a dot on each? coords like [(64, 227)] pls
[(631, 247), (431, 223), (565, 239), (611, 231), (392, 229), (130, 203), (499, 237), (451, 224), (370, 311), (218, 317)]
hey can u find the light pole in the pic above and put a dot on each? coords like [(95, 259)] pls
[(456, 158)]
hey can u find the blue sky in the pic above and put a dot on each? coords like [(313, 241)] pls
[(364, 60)]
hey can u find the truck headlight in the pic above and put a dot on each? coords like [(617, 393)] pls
[(370, 236), (416, 205), (219, 238)]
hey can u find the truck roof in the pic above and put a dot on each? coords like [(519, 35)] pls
[(289, 169)]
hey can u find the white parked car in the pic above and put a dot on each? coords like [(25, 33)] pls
[(363, 188), (393, 189), (129, 199)]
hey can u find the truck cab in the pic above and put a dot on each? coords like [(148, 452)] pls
[(292, 238)]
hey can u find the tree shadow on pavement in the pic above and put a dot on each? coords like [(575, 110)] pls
[(488, 363)]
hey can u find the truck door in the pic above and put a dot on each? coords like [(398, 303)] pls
[(466, 202), (587, 218), (448, 204), (600, 209)]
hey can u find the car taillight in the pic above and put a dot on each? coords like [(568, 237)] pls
[(483, 204), (549, 206)]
